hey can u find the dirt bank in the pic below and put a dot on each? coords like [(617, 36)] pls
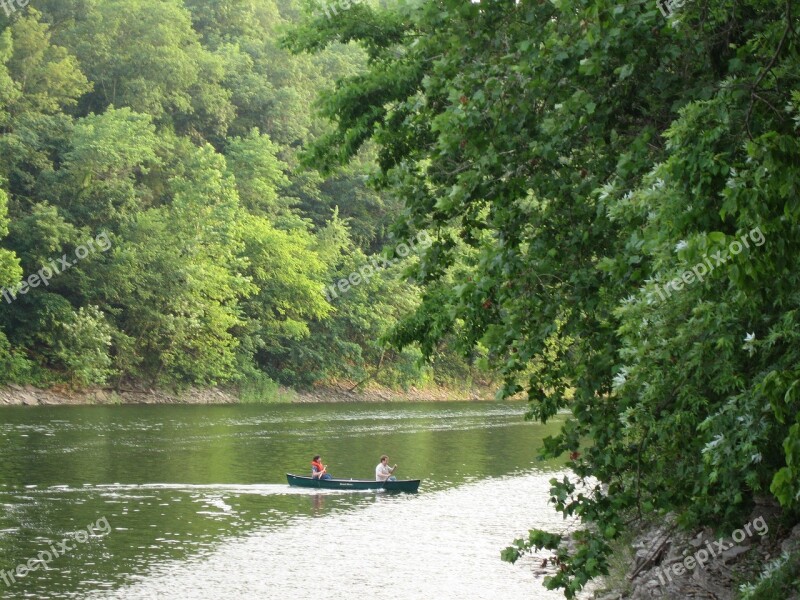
[(341, 392), (663, 562)]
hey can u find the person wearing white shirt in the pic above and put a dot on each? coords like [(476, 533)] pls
[(383, 472)]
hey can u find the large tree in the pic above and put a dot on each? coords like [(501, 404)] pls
[(590, 151)]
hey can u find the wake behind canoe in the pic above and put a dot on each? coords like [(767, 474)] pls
[(404, 485)]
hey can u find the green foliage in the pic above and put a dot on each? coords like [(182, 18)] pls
[(287, 272), (178, 277), (779, 579), (9, 263), (48, 76), (14, 367), (258, 388), (9, 92), (41, 234), (407, 370), (259, 174), (537, 540), (142, 54), (175, 127), (587, 153), (82, 346)]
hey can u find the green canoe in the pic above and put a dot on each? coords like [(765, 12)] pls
[(405, 485)]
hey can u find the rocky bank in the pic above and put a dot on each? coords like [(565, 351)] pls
[(660, 554), (31, 396)]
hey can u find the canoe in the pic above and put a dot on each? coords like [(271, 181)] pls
[(401, 485)]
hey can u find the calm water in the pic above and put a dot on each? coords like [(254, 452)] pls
[(192, 501)]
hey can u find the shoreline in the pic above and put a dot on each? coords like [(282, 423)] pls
[(28, 395), (659, 560)]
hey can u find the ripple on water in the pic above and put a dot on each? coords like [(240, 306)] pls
[(441, 545)]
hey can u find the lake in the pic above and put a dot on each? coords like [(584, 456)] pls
[(192, 501)]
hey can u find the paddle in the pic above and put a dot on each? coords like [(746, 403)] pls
[(394, 468), (319, 474)]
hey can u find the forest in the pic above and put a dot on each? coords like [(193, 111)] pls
[(612, 192), (157, 226), (598, 201)]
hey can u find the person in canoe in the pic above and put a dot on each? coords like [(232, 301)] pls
[(383, 472), (318, 470)]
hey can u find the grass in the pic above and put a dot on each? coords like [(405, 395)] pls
[(260, 389), (619, 564), (779, 579)]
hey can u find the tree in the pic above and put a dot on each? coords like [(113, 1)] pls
[(144, 54), (574, 145), (100, 180), (259, 174), (173, 129), (13, 364), (47, 75), (177, 281)]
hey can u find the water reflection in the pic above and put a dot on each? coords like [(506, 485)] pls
[(317, 504), (181, 486), (441, 545)]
